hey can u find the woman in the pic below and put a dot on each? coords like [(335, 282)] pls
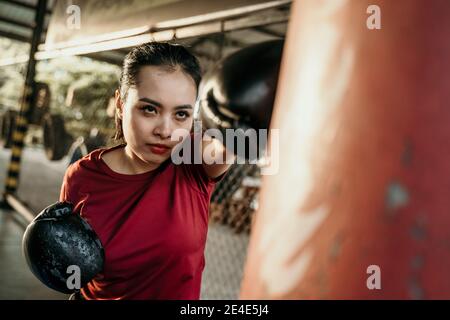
[(150, 214)]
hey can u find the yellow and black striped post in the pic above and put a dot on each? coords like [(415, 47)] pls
[(20, 130), (26, 105)]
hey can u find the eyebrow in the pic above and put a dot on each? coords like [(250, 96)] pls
[(158, 104)]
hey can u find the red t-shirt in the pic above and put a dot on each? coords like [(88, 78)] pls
[(153, 227)]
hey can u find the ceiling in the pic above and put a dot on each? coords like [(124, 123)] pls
[(17, 22), (17, 19)]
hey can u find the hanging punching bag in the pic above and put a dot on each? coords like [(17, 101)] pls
[(360, 206)]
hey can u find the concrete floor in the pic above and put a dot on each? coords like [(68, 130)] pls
[(16, 280), (39, 186)]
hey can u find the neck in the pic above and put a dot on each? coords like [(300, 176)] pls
[(133, 164)]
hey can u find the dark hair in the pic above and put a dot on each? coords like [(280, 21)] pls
[(164, 54)]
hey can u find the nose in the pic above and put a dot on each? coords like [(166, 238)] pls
[(163, 128)]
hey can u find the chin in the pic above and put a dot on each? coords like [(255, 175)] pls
[(154, 158)]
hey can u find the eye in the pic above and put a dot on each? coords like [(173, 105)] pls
[(148, 109), (182, 115)]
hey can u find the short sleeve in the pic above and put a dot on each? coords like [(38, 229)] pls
[(199, 179), (196, 173)]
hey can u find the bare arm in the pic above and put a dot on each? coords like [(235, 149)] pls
[(216, 158)]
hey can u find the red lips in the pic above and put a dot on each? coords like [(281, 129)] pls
[(158, 148)]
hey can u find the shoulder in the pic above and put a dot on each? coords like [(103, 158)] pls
[(197, 177), (83, 165), (82, 175)]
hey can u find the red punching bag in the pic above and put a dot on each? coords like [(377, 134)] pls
[(360, 206)]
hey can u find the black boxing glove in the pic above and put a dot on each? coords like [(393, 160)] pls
[(239, 92), (56, 239)]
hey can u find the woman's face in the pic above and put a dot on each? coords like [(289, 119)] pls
[(161, 102)]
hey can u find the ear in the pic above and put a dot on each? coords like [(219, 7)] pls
[(119, 104)]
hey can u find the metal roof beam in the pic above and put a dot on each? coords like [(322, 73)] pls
[(13, 36), (207, 29), (268, 32), (101, 58), (17, 22), (24, 5)]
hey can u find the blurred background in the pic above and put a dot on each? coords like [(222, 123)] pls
[(71, 62)]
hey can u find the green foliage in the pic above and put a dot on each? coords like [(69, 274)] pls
[(91, 83), (12, 77), (90, 79)]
